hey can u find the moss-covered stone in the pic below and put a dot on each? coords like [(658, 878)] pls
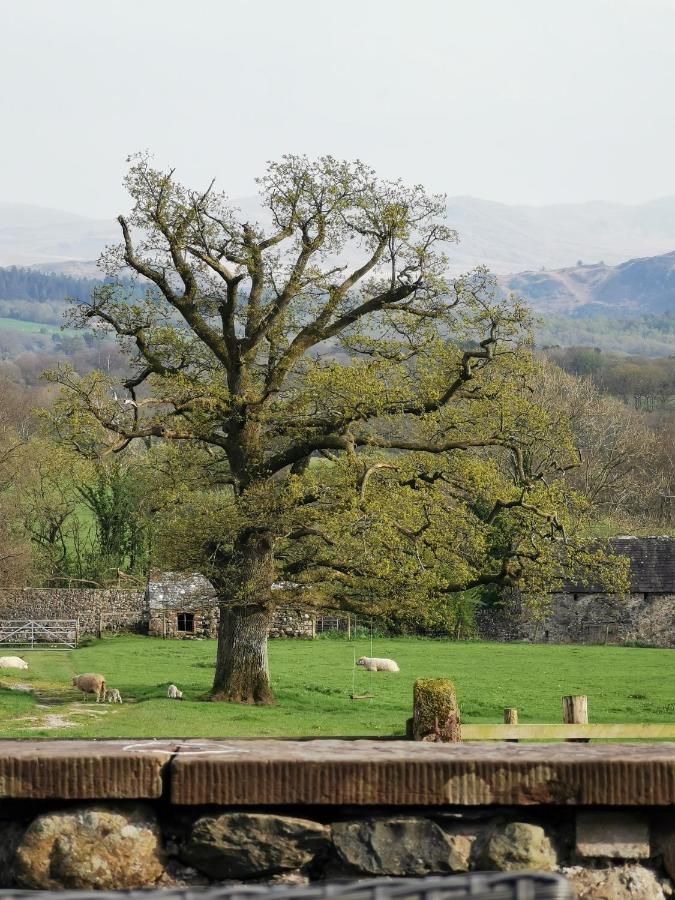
[(435, 710)]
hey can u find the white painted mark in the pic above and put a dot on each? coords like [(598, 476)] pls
[(191, 750)]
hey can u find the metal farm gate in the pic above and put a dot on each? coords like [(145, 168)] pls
[(39, 634)]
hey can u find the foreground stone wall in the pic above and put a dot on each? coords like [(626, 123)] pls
[(109, 609), (115, 814), (604, 853), (585, 619)]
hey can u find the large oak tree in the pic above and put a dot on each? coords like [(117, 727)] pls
[(360, 418)]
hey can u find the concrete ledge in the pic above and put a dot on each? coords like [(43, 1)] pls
[(364, 772), (80, 770), (339, 772)]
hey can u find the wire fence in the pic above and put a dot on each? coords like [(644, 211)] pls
[(348, 626)]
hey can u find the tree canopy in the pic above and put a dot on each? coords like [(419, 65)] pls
[(355, 425)]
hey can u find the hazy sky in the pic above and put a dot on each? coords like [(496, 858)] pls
[(522, 101)]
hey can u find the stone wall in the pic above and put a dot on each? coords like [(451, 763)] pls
[(185, 605), (116, 611), (603, 852), (125, 815), (585, 619), (189, 621), (604, 618), (110, 609)]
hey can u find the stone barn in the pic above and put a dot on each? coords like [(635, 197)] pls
[(585, 614), (184, 606)]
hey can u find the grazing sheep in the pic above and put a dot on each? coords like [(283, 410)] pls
[(12, 662), (113, 696), (91, 683), (173, 693), (373, 664)]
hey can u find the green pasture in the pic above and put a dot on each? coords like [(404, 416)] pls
[(313, 681), (29, 327)]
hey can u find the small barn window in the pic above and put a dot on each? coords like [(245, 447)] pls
[(186, 622)]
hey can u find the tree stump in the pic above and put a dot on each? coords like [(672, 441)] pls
[(435, 711)]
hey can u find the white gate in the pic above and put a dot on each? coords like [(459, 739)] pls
[(39, 634)]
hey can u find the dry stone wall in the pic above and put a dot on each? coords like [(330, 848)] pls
[(603, 853), (185, 605), (119, 611), (71, 811), (109, 609), (637, 618), (187, 620)]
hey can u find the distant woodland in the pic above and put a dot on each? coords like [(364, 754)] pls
[(622, 405)]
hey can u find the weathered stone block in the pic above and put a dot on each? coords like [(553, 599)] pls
[(400, 846), (252, 845), (82, 770), (515, 847), (91, 848), (620, 883), (611, 835)]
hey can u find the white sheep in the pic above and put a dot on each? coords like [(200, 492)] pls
[(12, 662), (90, 683), (373, 664), (173, 693), (113, 696)]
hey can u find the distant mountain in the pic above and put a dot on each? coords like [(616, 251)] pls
[(510, 239), (638, 286), (506, 238), (33, 234)]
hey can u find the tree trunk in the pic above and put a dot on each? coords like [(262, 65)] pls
[(242, 671)]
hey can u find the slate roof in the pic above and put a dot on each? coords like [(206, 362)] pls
[(652, 565), (189, 590), (179, 589)]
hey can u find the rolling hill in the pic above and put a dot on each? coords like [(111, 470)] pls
[(636, 287), (507, 238)]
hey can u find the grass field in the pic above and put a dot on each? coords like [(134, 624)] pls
[(313, 680), (28, 327)]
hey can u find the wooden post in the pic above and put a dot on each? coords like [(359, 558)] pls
[(435, 711), (575, 712), (99, 629), (313, 627), (349, 626), (511, 718)]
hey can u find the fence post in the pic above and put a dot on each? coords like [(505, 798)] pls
[(511, 718), (77, 633), (575, 712), (99, 625), (349, 626), (313, 627)]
